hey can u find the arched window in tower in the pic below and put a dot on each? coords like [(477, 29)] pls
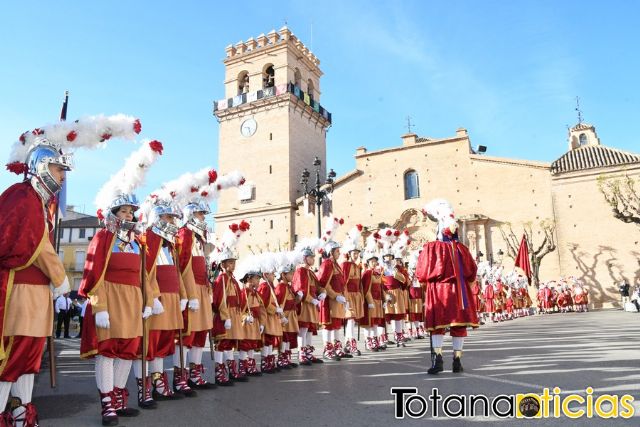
[(411, 185), (243, 82), (583, 139), (310, 88), (297, 78), (268, 77)]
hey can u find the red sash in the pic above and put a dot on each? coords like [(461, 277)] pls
[(167, 276), (199, 270), (31, 275), (232, 301), (123, 268)]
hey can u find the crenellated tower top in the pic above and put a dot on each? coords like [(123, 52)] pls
[(272, 39)]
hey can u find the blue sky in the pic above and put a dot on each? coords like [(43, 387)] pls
[(507, 71)]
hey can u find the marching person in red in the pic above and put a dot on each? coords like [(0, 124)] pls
[(332, 309), (305, 284), (488, 295), (288, 300), (30, 269), (352, 272), (374, 295), (252, 325), (416, 301), (112, 327), (448, 269), (222, 314), (162, 273), (273, 312), (229, 308), (395, 282), (29, 266), (197, 315)]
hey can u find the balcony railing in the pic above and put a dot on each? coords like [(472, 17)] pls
[(268, 92)]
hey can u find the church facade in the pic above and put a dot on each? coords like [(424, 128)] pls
[(272, 115)]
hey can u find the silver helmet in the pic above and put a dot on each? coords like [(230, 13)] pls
[(43, 153), (117, 225), (330, 246), (194, 224), (160, 226)]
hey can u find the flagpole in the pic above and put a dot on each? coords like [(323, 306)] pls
[(56, 235)]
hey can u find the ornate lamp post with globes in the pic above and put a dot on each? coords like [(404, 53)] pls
[(317, 192)]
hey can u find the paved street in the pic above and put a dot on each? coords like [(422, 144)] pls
[(571, 351)]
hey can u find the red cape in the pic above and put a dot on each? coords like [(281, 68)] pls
[(154, 243), (22, 234), (95, 265), (185, 243)]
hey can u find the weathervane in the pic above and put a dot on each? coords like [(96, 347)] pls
[(578, 110)]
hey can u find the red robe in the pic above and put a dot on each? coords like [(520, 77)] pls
[(436, 268), (22, 232), (330, 274), (489, 307), (95, 267)]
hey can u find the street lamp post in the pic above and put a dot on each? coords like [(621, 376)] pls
[(316, 191)]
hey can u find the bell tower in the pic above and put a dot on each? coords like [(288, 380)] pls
[(272, 125)]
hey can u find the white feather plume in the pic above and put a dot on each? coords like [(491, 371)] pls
[(131, 176), (86, 132)]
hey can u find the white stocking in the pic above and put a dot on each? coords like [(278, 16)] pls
[(398, 326), (176, 356), (228, 355), (156, 365), (250, 354), (457, 343), (23, 388), (121, 369), (326, 336), (309, 338), (195, 355), (104, 373), (137, 368), (5, 388), (349, 333), (242, 355), (437, 341), (218, 357)]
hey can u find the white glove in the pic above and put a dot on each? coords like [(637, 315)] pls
[(315, 302), (322, 296), (227, 324), (194, 304), (62, 289), (261, 329), (341, 299), (300, 294), (372, 306), (102, 320), (279, 310), (157, 307), (284, 320), (249, 319), (183, 304), (147, 312), (384, 305), (389, 297)]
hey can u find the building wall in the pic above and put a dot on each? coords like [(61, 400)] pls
[(502, 190), (70, 244), (592, 244)]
